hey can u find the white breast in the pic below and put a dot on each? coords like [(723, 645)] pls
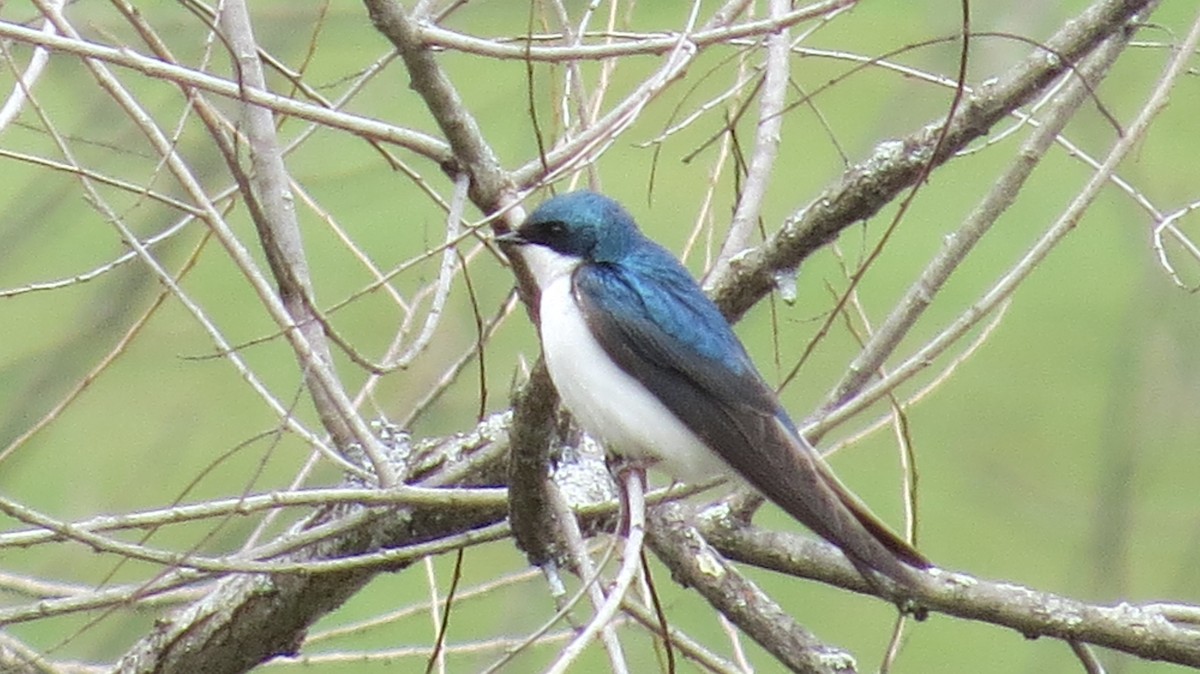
[(608, 403)]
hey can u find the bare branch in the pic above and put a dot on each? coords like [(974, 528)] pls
[(693, 562), (273, 209), (766, 144), (490, 186), (238, 591), (252, 617), (1144, 631), (960, 243), (718, 31), (73, 44), (867, 187)]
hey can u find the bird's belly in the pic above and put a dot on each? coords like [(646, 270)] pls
[(608, 403)]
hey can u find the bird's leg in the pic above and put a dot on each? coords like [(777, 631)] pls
[(632, 484), (624, 469)]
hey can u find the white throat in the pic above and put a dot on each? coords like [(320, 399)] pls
[(547, 266)]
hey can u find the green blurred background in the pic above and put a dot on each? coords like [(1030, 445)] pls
[(1062, 455)]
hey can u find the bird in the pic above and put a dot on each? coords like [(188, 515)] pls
[(646, 363)]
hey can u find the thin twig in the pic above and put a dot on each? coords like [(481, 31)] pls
[(961, 242), (271, 207), (27, 78), (1091, 664), (633, 487), (72, 43), (867, 187), (718, 32), (766, 143)]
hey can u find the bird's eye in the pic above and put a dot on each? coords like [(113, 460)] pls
[(555, 229)]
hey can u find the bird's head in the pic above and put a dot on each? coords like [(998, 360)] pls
[(582, 225)]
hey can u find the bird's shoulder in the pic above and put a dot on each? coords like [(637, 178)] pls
[(651, 289), (650, 305)]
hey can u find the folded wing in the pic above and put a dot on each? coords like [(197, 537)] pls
[(659, 328)]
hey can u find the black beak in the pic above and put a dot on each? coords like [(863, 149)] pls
[(512, 237)]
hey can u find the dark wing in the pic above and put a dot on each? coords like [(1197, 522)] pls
[(659, 327)]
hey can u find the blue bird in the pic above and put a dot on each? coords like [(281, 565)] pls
[(647, 364)]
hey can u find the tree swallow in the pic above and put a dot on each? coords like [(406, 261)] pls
[(647, 364)]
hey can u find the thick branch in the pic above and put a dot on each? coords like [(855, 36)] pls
[(271, 204), (1141, 631), (492, 192), (490, 185), (695, 564), (846, 395), (532, 431), (251, 618), (960, 243), (867, 187), (255, 616)]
